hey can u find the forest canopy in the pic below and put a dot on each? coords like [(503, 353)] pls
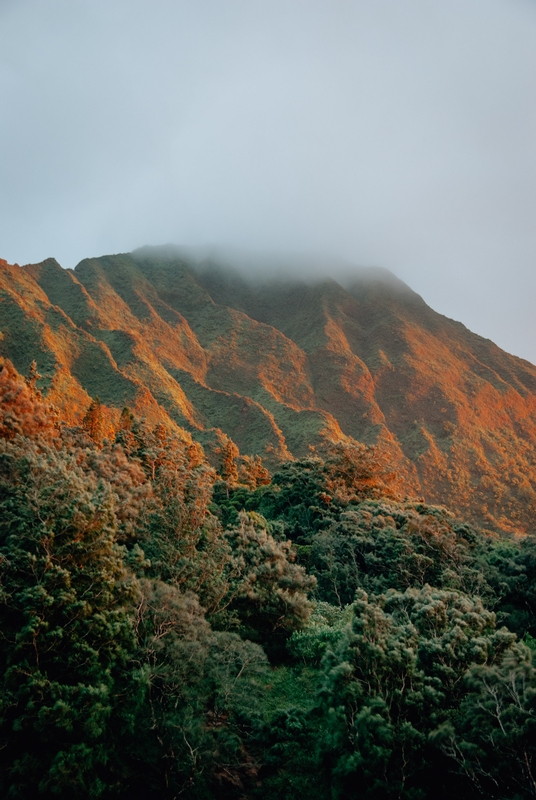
[(175, 629)]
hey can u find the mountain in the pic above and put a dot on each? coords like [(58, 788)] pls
[(284, 366)]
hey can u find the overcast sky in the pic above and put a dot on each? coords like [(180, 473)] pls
[(397, 133)]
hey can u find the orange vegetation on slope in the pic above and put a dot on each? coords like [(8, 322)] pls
[(283, 367)]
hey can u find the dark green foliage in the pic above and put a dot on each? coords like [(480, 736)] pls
[(494, 739), (381, 545), (201, 683), (286, 737), (66, 627), (395, 677), (510, 569), (268, 591), (167, 632), (297, 496), (397, 552)]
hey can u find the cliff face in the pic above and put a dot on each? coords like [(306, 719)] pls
[(285, 366)]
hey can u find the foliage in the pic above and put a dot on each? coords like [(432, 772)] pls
[(66, 626), (93, 421), (323, 631), (378, 545), (285, 736), (494, 743), (200, 681), (173, 630), (22, 410), (270, 590), (393, 679)]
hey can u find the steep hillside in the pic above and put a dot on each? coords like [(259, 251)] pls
[(285, 366)]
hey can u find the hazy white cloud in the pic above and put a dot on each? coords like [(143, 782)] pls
[(400, 133)]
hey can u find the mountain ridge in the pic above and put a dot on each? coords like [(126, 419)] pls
[(283, 367)]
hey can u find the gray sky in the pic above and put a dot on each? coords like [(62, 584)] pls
[(398, 133)]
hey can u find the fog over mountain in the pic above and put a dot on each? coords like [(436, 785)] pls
[(392, 134)]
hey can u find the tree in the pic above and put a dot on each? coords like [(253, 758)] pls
[(22, 410), (394, 678), (93, 422), (270, 591), (356, 471), (298, 497), (493, 740), (380, 544), (181, 538), (228, 468), (67, 635), (124, 434), (252, 472), (200, 683)]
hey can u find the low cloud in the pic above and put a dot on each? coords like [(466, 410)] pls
[(391, 134)]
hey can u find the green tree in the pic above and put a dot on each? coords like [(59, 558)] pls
[(298, 497), (394, 678), (268, 590), (201, 684), (493, 740), (66, 633), (378, 545)]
